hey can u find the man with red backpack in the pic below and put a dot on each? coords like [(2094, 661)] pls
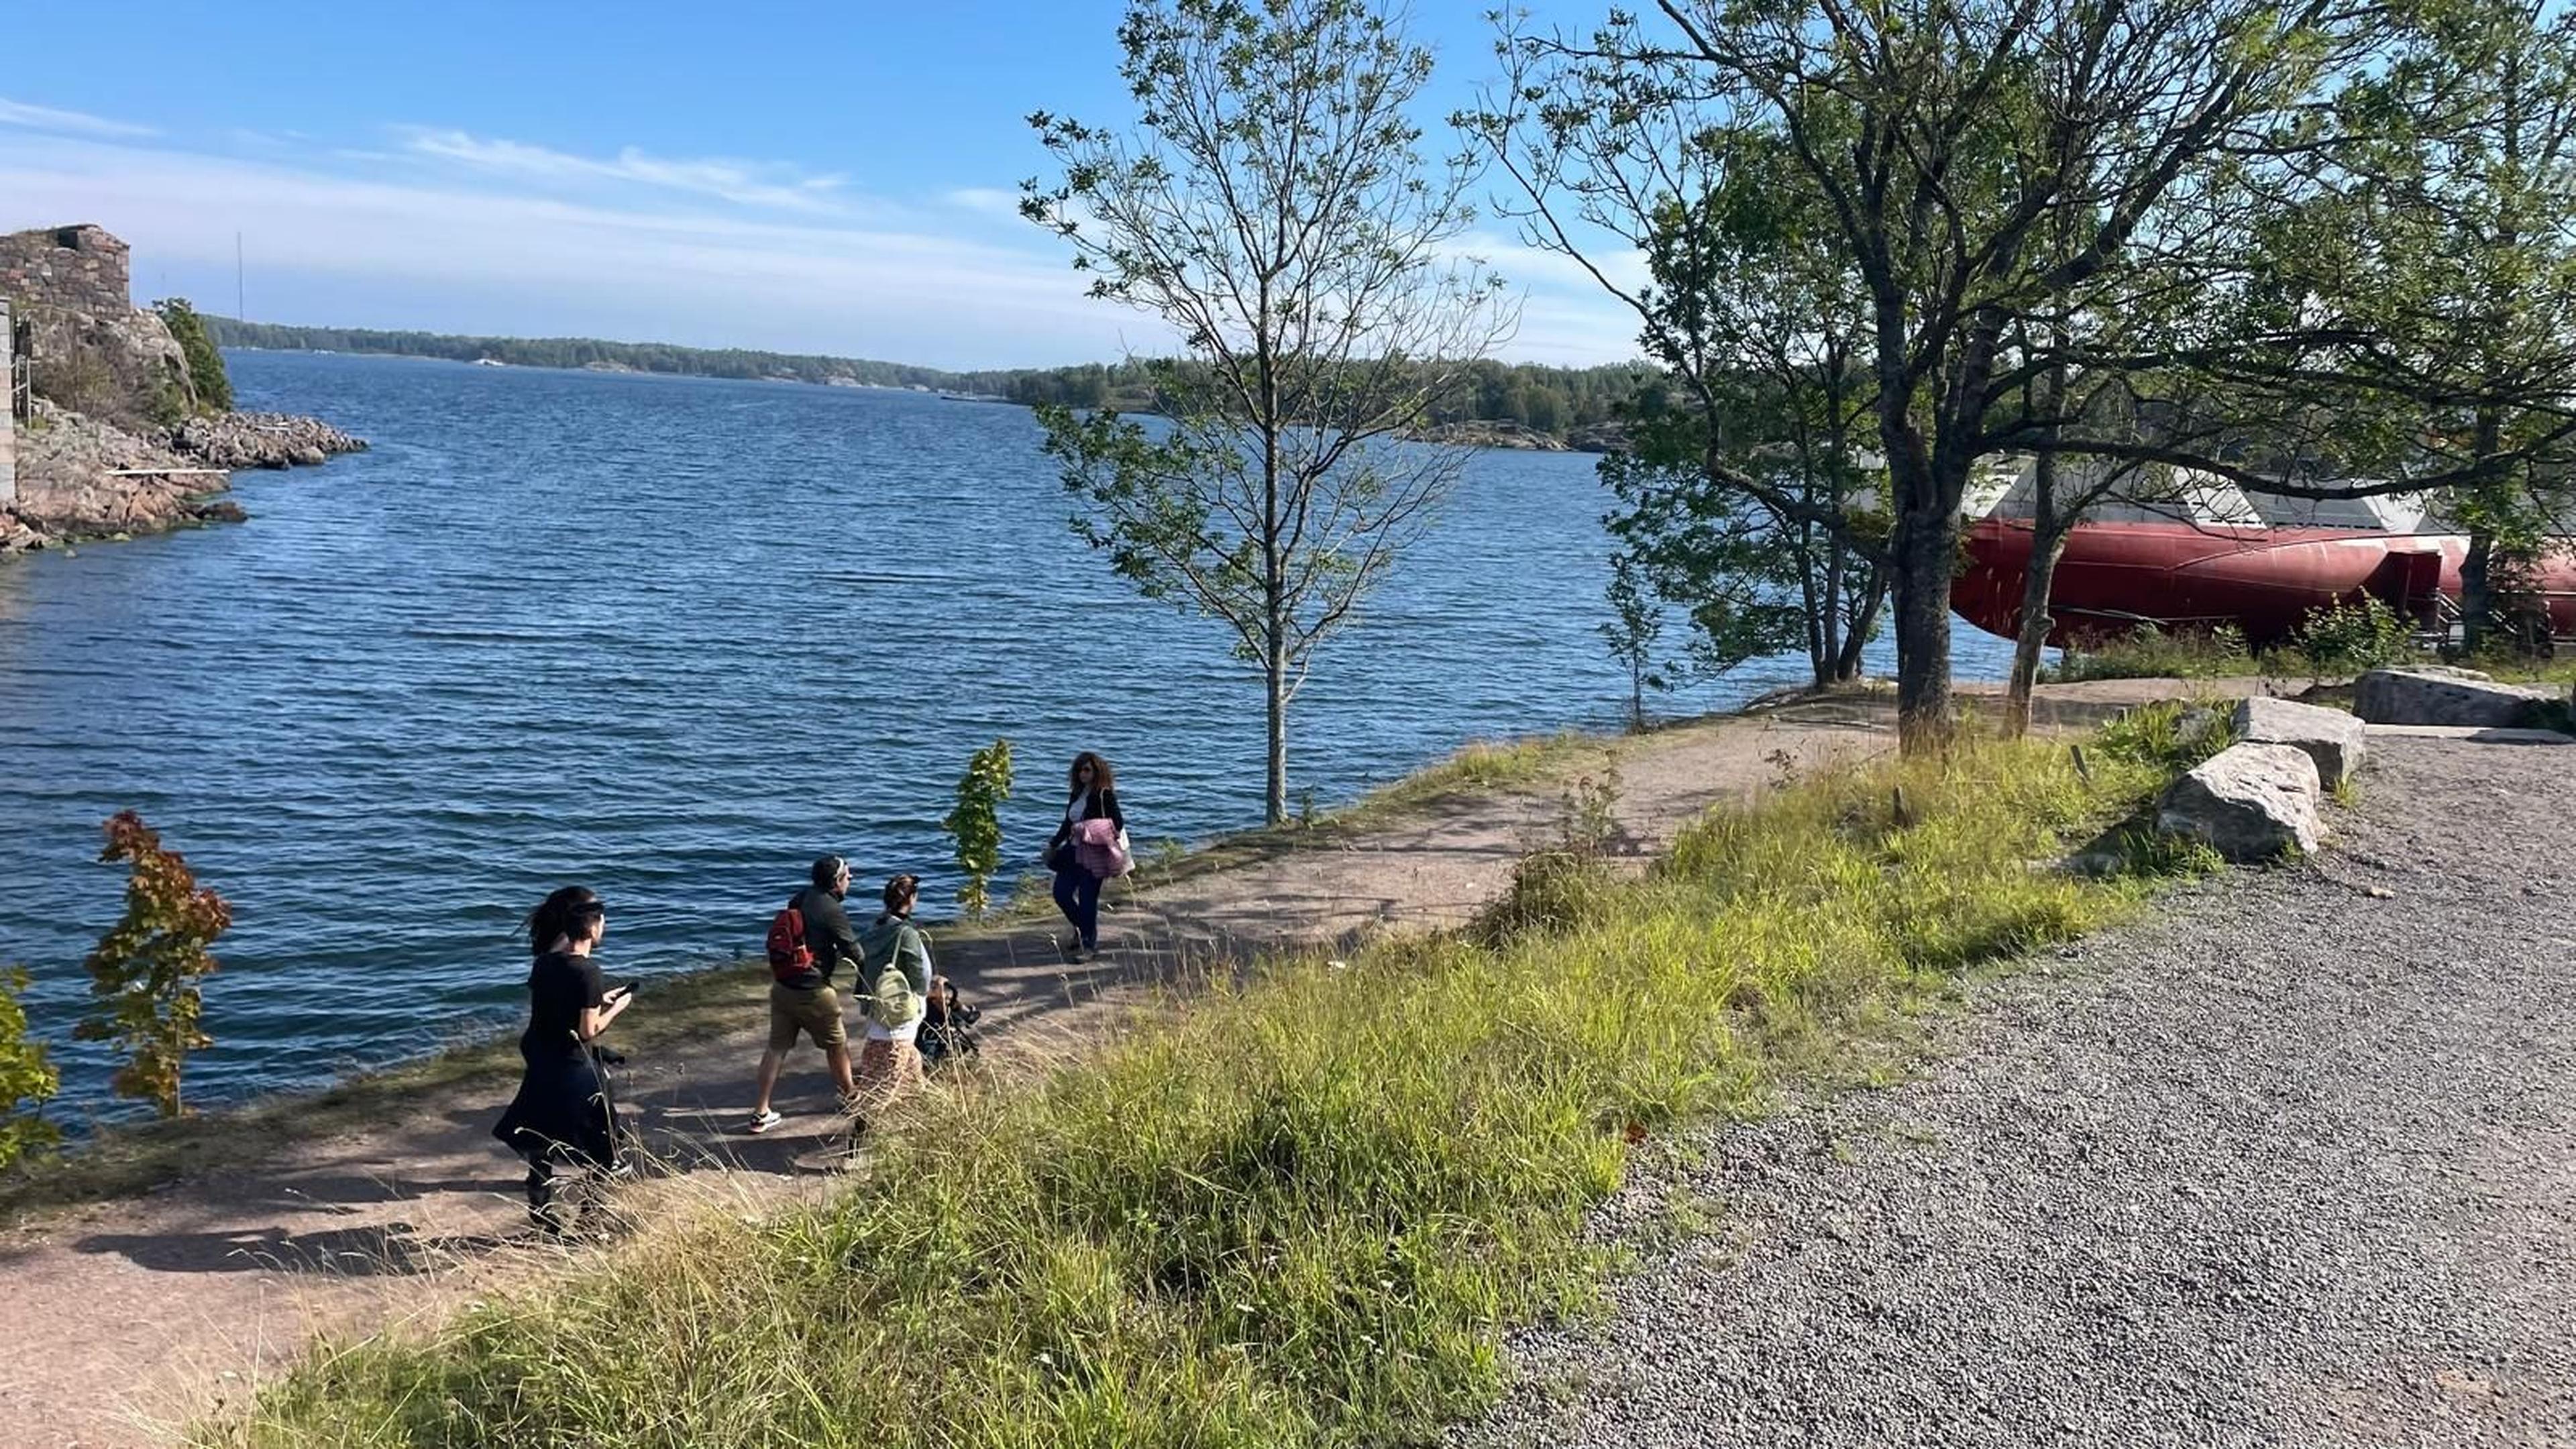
[(808, 941)]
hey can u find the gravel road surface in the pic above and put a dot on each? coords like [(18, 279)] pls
[(2290, 1162)]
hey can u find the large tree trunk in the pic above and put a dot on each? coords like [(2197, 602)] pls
[(1926, 549), (2477, 591), (2047, 546)]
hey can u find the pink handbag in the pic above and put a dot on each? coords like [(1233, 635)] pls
[(1100, 847)]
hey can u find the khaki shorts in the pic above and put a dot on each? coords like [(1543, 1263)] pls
[(815, 1013)]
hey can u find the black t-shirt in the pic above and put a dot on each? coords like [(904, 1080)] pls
[(560, 987)]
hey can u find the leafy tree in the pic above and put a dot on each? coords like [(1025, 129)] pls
[(1635, 624), (2449, 222), (976, 823), (27, 1079), (2013, 190), (1272, 204), (206, 376), (1759, 330), (144, 973)]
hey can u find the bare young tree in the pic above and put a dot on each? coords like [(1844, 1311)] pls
[(1272, 204)]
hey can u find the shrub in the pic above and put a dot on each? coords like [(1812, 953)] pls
[(2351, 636), (206, 375), (144, 974), (2170, 736), (976, 823), (27, 1079), (2152, 653)]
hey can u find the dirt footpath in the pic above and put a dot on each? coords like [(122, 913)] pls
[(126, 1319)]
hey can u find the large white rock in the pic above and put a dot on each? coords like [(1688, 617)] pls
[(2332, 738), (2248, 802), (2436, 695)]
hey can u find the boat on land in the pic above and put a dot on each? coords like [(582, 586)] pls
[(2211, 556)]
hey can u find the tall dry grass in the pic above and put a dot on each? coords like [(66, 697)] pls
[(1303, 1210)]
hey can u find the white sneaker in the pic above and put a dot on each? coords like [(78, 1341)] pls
[(762, 1122)]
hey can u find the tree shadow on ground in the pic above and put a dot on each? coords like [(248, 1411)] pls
[(378, 1250)]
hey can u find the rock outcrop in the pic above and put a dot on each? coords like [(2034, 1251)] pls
[(2436, 694), (1490, 433), (2335, 740), (118, 441), (1601, 437), (2249, 802), (81, 478), (260, 440)]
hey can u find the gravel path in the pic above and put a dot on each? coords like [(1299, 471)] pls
[(2291, 1163)]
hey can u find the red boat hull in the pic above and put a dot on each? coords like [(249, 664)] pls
[(2264, 581)]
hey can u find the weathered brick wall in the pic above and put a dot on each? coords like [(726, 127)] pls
[(75, 268)]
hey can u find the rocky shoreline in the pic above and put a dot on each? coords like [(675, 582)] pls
[(80, 478), (1604, 437), (130, 428), (260, 440)]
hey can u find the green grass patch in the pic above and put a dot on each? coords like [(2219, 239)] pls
[(2152, 653), (2148, 652), (1480, 767), (1301, 1210)]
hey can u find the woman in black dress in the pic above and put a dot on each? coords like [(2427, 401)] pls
[(564, 1121)]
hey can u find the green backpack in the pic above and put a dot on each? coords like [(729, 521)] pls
[(891, 1000)]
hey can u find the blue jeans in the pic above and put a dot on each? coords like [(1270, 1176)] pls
[(1077, 894)]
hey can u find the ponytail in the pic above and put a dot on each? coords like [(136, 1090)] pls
[(562, 914)]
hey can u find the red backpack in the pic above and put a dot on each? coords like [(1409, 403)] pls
[(789, 957)]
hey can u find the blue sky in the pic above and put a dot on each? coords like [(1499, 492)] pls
[(807, 177)]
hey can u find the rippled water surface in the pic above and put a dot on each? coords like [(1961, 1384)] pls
[(669, 638)]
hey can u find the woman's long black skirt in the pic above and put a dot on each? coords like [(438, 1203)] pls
[(564, 1116)]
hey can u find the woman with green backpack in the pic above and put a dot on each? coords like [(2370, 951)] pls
[(895, 969)]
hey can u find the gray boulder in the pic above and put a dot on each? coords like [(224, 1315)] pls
[(2331, 737), (2439, 695), (2248, 802)]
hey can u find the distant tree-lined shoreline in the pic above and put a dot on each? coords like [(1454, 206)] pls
[(1544, 399)]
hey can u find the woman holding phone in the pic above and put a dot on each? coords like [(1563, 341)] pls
[(564, 1121)]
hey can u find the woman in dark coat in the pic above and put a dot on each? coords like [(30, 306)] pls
[(564, 1121)]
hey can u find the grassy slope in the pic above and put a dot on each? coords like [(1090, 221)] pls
[(1302, 1211)]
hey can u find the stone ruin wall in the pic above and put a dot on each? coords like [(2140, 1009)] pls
[(8, 415), (73, 268)]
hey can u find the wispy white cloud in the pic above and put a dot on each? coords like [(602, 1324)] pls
[(1522, 265), (76, 123), (748, 183), (987, 200), (542, 243)]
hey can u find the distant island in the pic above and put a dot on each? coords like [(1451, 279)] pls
[(1511, 404)]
